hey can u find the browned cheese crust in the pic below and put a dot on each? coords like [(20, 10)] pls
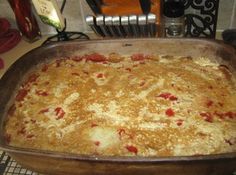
[(126, 105)]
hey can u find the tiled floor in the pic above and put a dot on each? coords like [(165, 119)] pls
[(10, 167)]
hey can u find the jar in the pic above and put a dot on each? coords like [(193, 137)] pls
[(174, 25)]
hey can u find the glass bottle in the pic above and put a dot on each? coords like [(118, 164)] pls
[(25, 19), (174, 25)]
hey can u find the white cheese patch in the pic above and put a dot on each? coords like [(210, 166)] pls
[(105, 136), (202, 61), (100, 81), (119, 94), (59, 88), (110, 115), (71, 98), (145, 93)]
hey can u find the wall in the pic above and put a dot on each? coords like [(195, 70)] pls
[(76, 10)]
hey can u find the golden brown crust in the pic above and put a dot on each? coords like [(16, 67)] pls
[(144, 105)]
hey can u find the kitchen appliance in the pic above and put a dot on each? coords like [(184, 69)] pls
[(63, 163)]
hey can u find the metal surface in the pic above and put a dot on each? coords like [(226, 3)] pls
[(90, 20), (126, 26), (133, 21), (111, 28), (100, 21), (62, 163), (116, 21), (152, 27), (142, 22)]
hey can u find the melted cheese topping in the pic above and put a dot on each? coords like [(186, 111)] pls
[(151, 106)]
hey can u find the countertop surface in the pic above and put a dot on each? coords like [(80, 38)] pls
[(21, 48)]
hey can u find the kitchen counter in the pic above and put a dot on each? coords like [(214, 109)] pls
[(22, 47)]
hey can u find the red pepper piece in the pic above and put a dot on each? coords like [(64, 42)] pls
[(94, 125), (173, 98), (207, 116), (132, 149), (100, 75), (221, 115), (43, 111), (41, 93), (230, 115), (180, 122), (59, 112), (209, 103), (21, 94), (32, 78), (97, 143), (95, 57), (170, 112), (165, 95), (138, 57)]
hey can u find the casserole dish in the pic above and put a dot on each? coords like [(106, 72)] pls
[(62, 163)]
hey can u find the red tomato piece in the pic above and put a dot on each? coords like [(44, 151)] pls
[(230, 115), (138, 57), (209, 103), (221, 115), (173, 98), (59, 112), (100, 75), (207, 116), (21, 94), (165, 95), (179, 122), (93, 125), (97, 143), (95, 57), (170, 112), (32, 78), (132, 149)]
